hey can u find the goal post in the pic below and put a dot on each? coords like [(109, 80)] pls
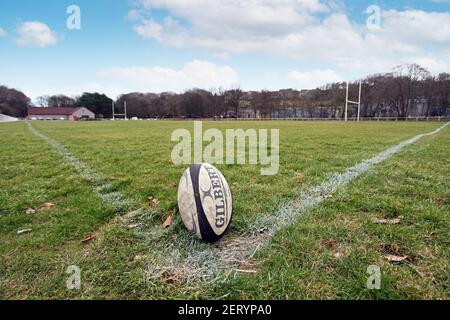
[(114, 114), (358, 103)]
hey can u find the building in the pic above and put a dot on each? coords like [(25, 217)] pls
[(5, 118), (81, 113)]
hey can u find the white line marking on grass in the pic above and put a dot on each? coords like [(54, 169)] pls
[(189, 260), (102, 187), (313, 196)]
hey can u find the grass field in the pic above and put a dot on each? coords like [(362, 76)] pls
[(321, 255)]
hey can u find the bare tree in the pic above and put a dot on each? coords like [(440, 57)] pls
[(407, 82), (42, 101), (232, 99)]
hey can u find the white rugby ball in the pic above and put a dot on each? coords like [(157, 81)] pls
[(205, 202)]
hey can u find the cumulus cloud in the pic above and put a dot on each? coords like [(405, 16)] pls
[(35, 34), (194, 74), (312, 31), (313, 79), (2, 32), (226, 26)]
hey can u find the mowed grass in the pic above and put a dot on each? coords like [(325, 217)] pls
[(324, 254)]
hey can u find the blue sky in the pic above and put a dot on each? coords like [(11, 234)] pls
[(163, 45)]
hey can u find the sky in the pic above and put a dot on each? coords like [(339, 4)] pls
[(120, 46)]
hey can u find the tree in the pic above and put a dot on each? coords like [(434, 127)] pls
[(220, 102), (55, 101), (98, 103), (138, 104), (443, 94), (192, 104), (375, 94), (266, 102), (60, 101), (232, 98), (407, 80), (430, 91), (171, 102), (42, 101), (13, 102)]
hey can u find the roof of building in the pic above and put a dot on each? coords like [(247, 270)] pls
[(51, 111)]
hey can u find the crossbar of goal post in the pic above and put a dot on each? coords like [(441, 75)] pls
[(347, 102), (114, 114)]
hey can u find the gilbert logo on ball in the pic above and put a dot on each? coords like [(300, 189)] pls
[(205, 203)]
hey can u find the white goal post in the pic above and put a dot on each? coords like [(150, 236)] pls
[(347, 102), (114, 114)]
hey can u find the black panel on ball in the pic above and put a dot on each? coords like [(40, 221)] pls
[(206, 231)]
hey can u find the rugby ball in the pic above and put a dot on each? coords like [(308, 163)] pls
[(205, 202)]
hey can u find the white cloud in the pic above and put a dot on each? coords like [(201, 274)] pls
[(240, 14), (417, 27), (2, 32), (194, 74), (134, 15), (226, 26), (313, 79), (312, 31), (35, 34), (116, 81), (149, 29)]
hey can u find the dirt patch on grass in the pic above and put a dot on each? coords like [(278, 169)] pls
[(444, 201)]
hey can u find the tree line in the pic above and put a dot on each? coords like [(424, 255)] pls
[(407, 91)]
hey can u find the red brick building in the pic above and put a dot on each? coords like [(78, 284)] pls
[(60, 114)]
